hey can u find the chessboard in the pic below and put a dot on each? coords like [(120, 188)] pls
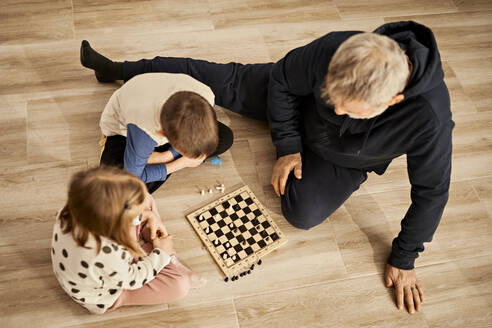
[(237, 231)]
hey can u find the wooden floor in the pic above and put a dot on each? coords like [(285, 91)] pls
[(330, 276)]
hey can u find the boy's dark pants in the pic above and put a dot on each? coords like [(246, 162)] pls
[(243, 89), (114, 150)]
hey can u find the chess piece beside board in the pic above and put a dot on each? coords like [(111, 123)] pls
[(237, 231)]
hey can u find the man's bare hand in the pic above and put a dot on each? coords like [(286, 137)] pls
[(407, 288), (281, 170)]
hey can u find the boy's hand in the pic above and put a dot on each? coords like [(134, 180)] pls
[(192, 162), (184, 162), (166, 244)]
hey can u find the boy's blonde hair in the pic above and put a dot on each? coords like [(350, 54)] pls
[(103, 201), (190, 124), (366, 67)]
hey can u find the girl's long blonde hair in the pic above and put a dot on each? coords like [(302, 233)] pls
[(103, 201)]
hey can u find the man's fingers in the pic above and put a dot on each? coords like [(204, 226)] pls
[(416, 298), (275, 183), (409, 299), (298, 171), (421, 291), (283, 181), (389, 282), (399, 296)]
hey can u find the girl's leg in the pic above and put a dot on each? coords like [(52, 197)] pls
[(170, 284)]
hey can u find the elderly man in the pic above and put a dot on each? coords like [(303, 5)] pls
[(346, 104)]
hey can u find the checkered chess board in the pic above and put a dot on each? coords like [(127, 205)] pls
[(237, 230)]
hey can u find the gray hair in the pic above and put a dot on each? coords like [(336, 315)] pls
[(366, 67)]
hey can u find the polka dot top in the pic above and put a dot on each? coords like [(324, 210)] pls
[(95, 281)]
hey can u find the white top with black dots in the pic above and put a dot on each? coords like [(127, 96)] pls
[(95, 281)]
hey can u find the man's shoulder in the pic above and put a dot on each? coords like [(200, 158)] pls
[(436, 105)]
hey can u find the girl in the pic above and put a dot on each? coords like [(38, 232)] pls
[(110, 249)]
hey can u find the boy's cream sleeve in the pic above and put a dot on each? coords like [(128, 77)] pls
[(110, 122)]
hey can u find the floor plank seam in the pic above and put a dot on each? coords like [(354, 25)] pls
[(409, 16), (235, 313), (408, 188), (337, 245), (73, 20)]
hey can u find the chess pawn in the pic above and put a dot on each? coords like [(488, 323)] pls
[(220, 187)]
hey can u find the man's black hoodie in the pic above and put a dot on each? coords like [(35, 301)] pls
[(420, 126)]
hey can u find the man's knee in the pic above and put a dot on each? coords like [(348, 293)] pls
[(304, 214)]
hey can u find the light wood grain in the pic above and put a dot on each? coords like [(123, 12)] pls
[(329, 276), (26, 22), (459, 35), (364, 301), (212, 314)]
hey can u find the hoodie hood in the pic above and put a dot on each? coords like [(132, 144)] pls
[(419, 44)]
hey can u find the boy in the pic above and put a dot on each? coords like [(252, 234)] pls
[(159, 123)]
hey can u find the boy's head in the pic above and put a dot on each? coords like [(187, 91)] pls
[(367, 73), (189, 123)]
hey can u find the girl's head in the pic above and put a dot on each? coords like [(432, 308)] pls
[(104, 201)]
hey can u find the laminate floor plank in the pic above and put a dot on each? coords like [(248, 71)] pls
[(328, 276)]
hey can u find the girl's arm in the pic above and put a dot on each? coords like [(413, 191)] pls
[(117, 271)]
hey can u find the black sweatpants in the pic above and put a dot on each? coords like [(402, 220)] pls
[(114, 151), (243, 89)]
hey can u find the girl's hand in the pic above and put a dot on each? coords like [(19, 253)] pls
[(154, 223), (166, 244), (150, 204)]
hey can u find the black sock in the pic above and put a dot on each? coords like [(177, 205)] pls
[(105, 69)]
